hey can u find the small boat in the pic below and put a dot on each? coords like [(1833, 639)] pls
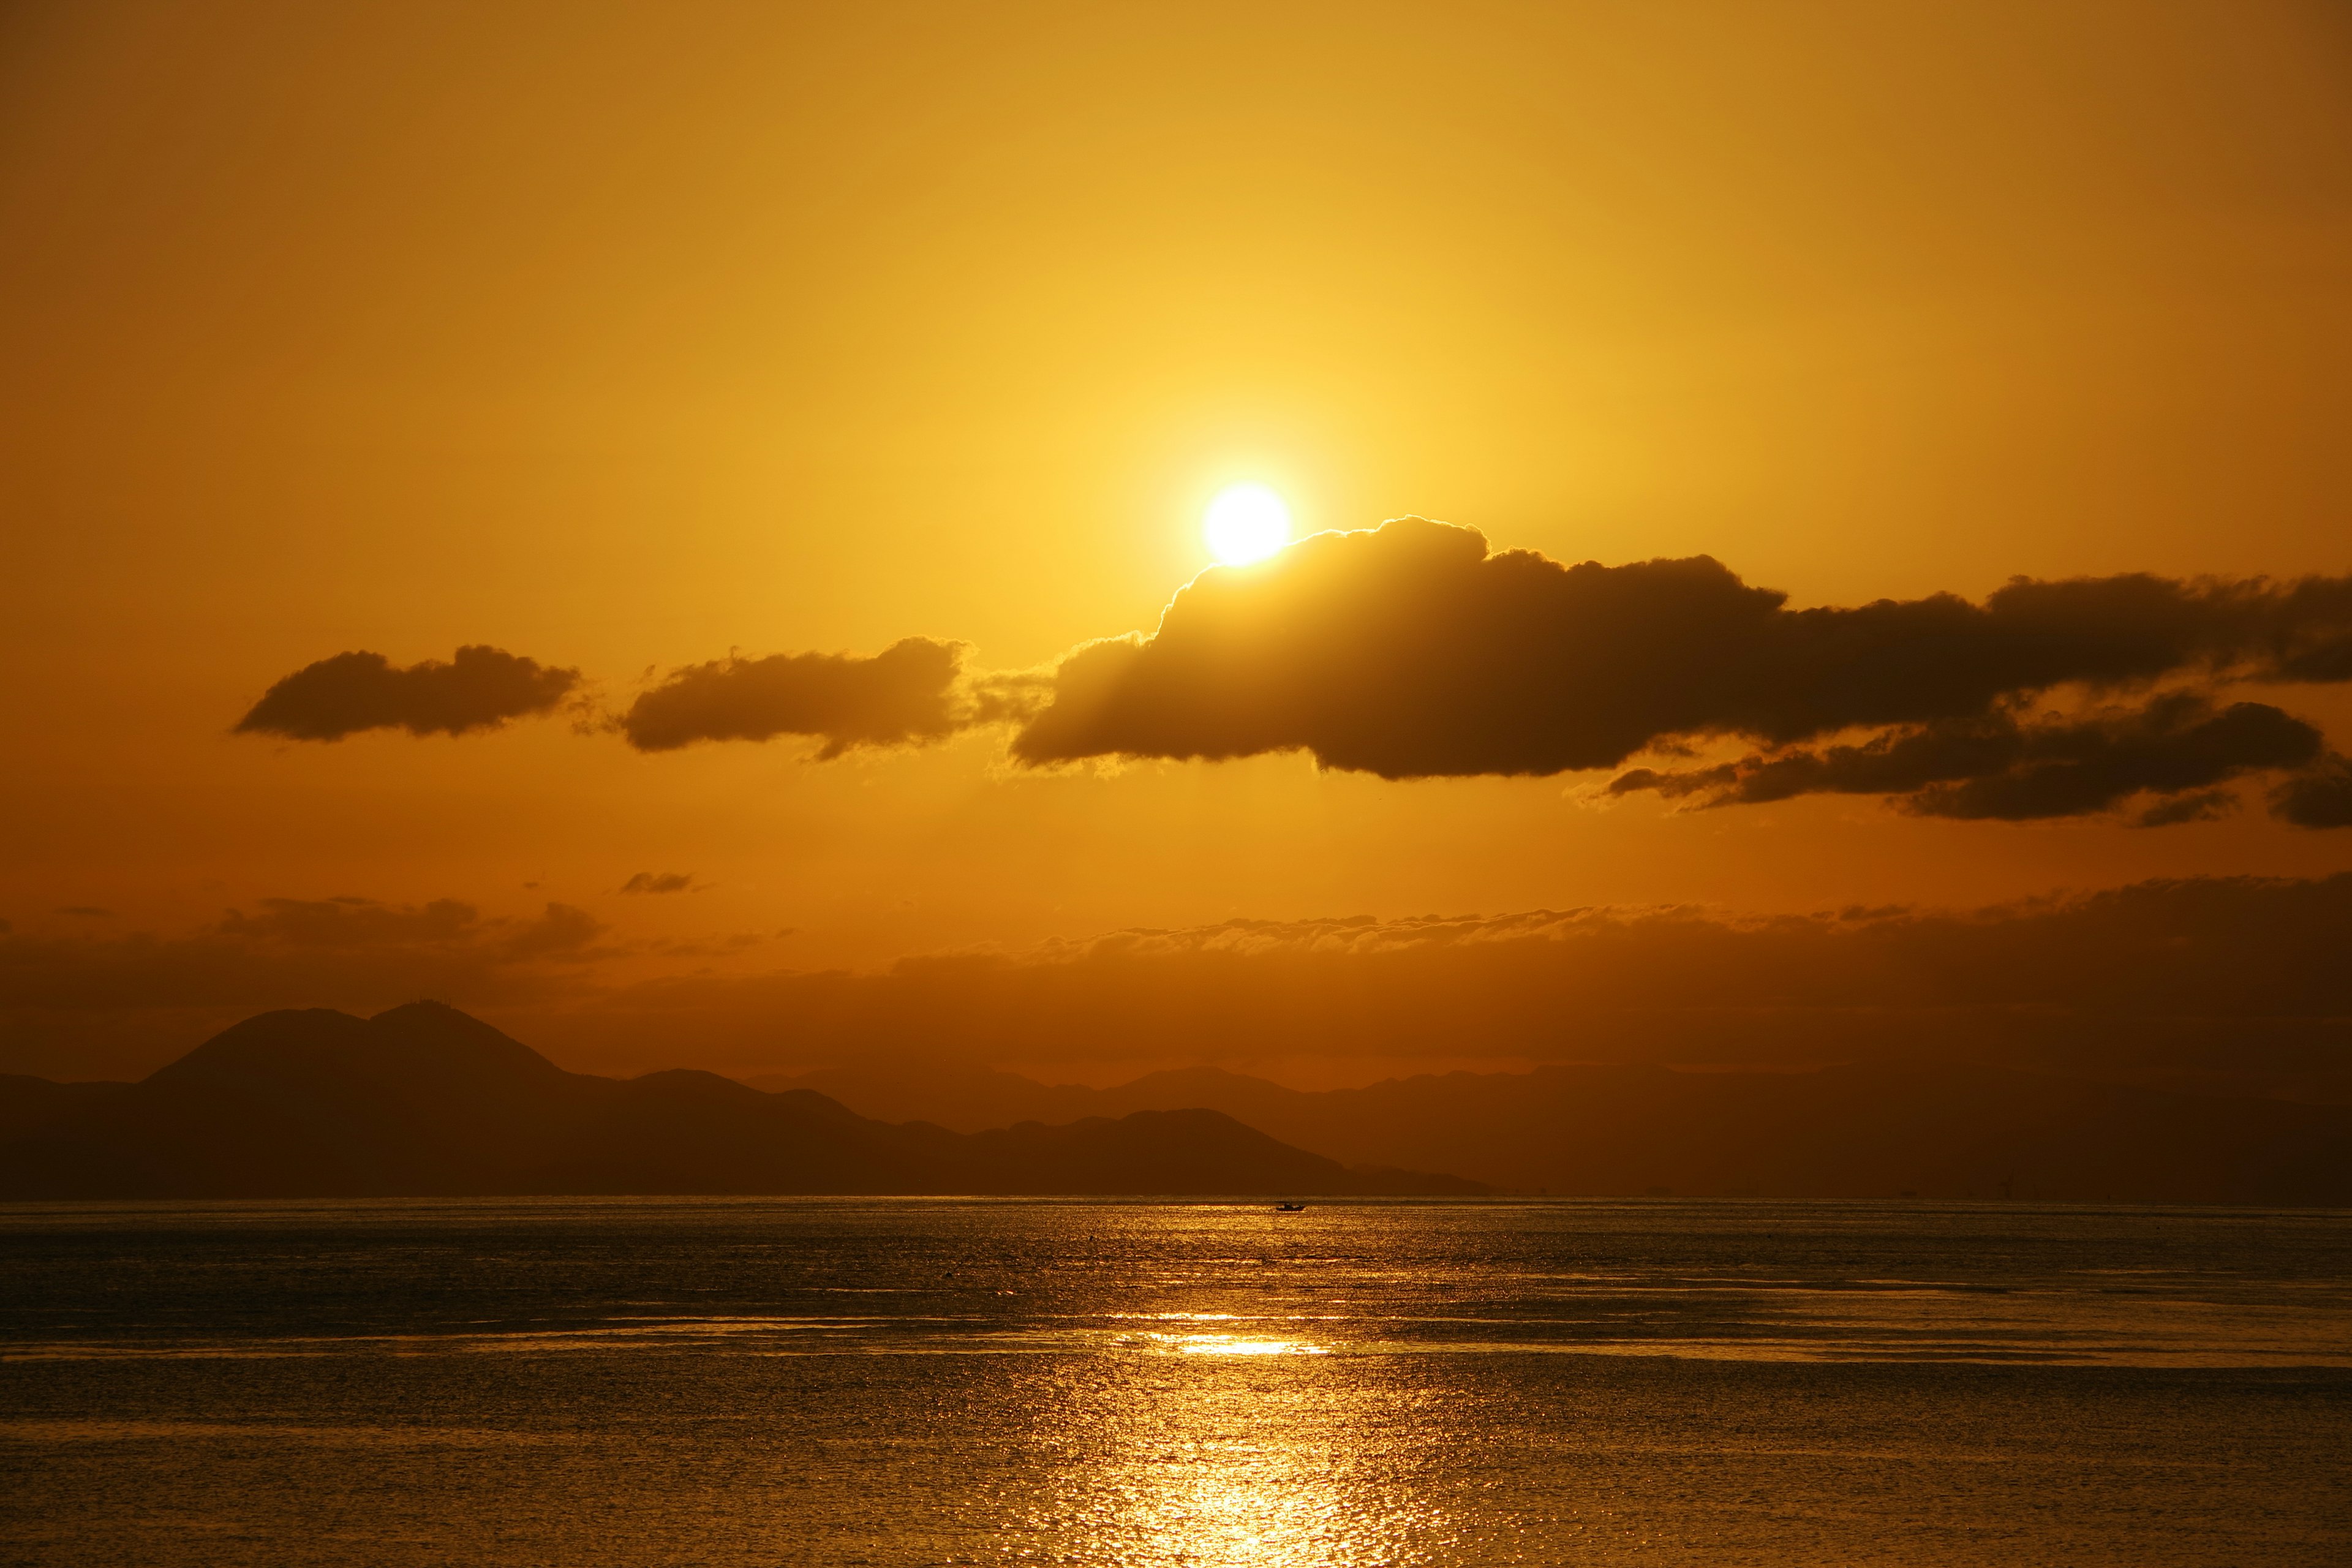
[(1290, 1208)]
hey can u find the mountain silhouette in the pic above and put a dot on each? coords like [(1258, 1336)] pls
[(1936, 1130), (424, 1101)]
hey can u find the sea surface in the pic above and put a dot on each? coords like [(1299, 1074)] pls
[(897, 1382)]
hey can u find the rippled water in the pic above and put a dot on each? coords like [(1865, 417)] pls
[(923, 1382)]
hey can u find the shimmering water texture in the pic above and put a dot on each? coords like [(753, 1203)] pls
[(931, 1381)]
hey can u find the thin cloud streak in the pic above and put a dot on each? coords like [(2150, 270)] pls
[(2010, 768)]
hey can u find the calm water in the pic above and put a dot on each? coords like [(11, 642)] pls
[(929, 1382)]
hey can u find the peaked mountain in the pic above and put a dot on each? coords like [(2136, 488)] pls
[(1938, 1131), (425, 1101)]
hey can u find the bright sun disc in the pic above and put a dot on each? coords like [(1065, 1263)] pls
[(1245, 523)]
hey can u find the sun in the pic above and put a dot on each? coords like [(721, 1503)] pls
[(1245, 523)]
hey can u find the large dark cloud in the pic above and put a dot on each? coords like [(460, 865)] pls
[(1410, 651), (905, 695), (2016, 769), (480, 688)]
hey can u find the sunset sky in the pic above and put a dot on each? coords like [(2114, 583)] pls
[(629, 340)]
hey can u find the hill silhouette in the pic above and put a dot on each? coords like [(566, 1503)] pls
[(1879, 1130), (424, 1101)]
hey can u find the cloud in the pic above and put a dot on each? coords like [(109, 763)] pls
[(443, 927), (562, 933), (2233, 981), (2199, 805), (1412, 651), (480, 688), (353, 922), (2320, 796), (110, 999), (663, 882), (2015, 768), (905, 695)]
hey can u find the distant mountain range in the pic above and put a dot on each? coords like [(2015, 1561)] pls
[(424, 1101), (1943, 1131)]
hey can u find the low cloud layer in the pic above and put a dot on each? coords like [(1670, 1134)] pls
[(2234, 982), (904, 696), (480, 688), (76, 1005), (1410, 651), (2230, 981)]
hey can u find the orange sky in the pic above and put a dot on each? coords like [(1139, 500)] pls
[(623, 336)]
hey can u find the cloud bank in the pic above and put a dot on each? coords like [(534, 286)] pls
[(77, 1005), (1411, 650), (2230, 981), (480, 688), (2233, 984)]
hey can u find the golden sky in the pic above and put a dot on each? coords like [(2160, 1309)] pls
[(621, 337)]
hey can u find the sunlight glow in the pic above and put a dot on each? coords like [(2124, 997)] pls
[(1245, 523), (1230, 1344)]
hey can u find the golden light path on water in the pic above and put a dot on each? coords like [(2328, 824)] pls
[(1232, 1345), (780, 1384), (1235, 1452)]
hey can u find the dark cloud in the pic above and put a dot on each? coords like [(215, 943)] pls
[(2320, 796), (480, 688), (2016, 768), (905, 695), (1410, 651), (2198, 806), (659, 882)]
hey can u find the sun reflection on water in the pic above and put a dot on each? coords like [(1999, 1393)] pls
[(1234, 1344), (1219, 1448)]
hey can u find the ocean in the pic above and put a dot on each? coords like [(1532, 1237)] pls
[(965, 1381)]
